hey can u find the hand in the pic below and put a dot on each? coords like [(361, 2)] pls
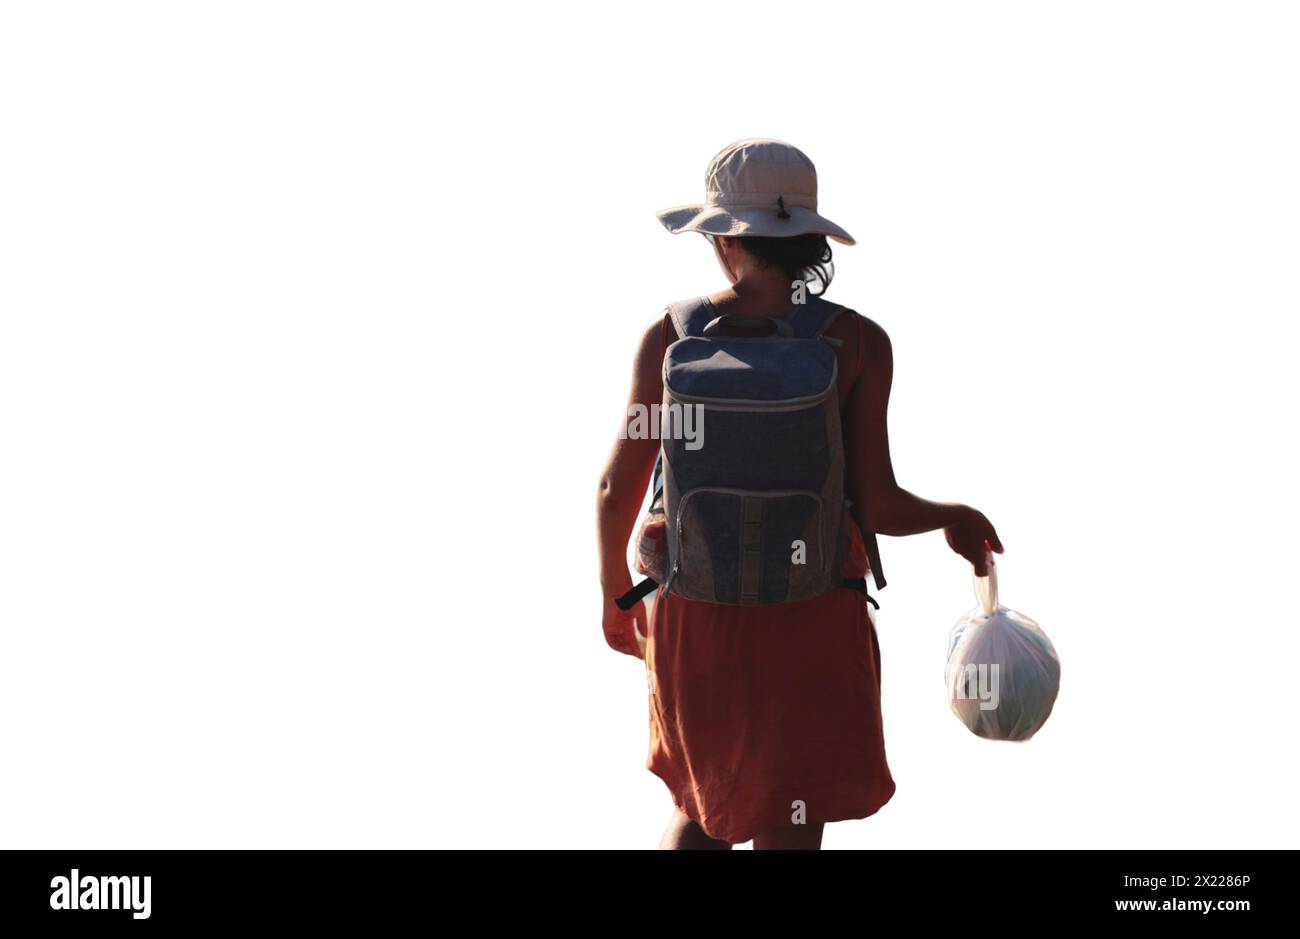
[(971, 536), (625, 629)]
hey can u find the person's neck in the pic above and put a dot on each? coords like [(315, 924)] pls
[(757, 293)]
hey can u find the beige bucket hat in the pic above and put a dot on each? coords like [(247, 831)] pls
[(757, 187)]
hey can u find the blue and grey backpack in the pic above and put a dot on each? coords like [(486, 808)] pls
[(754, 500)]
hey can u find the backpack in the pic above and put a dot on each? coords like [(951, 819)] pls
[(749, 490)]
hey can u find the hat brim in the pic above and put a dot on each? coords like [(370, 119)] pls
[(759, 222)]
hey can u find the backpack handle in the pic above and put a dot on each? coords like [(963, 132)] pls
[(775, 327)]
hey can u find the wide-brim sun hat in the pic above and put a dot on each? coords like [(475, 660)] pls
[(760, 187)]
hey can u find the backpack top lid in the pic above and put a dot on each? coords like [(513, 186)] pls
[(787, 365), (727, 370), (807, 320)]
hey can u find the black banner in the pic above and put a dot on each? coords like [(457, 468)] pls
[(145, 890)]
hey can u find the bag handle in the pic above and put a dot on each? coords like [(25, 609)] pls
[(775, 326), (986, 588)]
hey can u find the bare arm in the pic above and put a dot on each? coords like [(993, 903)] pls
[(623, 484), (879, 504)]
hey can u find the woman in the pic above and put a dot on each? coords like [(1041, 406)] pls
[(765, 719)]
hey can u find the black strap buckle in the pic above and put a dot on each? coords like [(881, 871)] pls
[(634, 596)]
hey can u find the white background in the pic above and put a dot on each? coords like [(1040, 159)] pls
[(317, 323)]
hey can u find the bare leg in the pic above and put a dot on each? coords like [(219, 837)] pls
[(793, 838), (683, 834)]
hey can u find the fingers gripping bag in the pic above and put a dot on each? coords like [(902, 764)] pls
[(1003, 673)]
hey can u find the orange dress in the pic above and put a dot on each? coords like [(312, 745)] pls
[(762, 713)]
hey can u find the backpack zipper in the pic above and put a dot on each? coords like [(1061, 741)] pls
[(671, 574)]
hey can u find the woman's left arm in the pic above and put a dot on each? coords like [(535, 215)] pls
[(880, 505)]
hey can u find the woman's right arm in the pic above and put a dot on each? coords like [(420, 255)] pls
[(623, 485)]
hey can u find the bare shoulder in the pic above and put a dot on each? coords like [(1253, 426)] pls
[(876, 346), (652, 337), (864, 333), (650, 351)]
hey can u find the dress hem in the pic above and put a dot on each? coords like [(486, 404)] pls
[(743, 836)]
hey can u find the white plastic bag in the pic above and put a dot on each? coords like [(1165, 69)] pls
[(1003, 673)]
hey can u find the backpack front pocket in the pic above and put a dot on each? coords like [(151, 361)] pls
[(749, 546)]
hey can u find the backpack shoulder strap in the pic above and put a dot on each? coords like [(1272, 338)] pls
[(814, 317), (691, 316)]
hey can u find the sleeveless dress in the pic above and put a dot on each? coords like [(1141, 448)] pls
[(764, 715)]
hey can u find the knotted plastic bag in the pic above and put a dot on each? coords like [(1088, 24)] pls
[(652, 544), (651, 558), (1003, 673)]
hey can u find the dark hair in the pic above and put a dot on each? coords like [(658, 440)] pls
[(801, 257)]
